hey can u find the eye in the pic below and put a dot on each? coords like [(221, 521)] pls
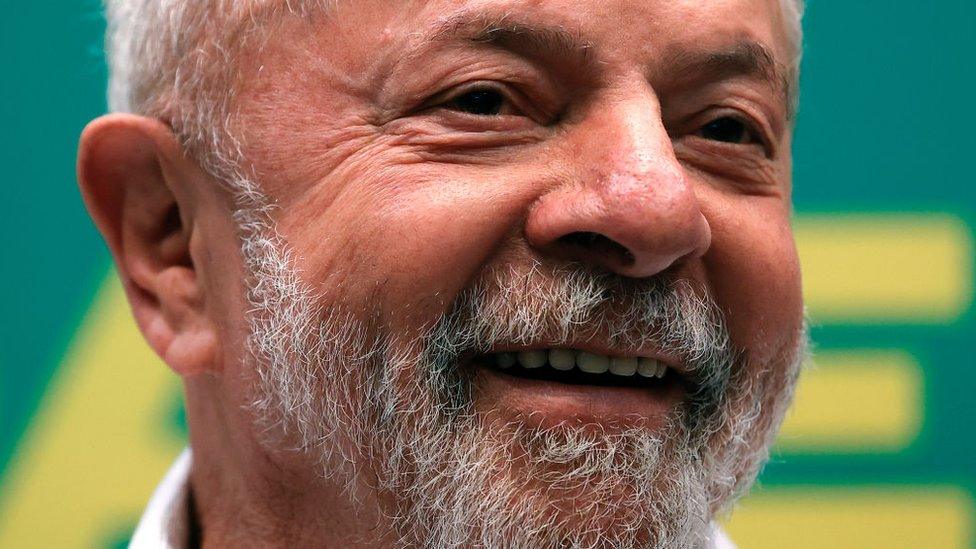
[(728, 129), (480, 102)]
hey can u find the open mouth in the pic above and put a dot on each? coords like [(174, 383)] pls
[(544, 387), (575, 367)]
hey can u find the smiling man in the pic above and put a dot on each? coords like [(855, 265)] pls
[(456, 273)]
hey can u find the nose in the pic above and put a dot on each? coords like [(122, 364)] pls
[(628, 208)]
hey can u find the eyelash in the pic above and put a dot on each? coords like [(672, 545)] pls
[(496, 101), (510, 97), (760, 137), (519, 101), (444, 99)]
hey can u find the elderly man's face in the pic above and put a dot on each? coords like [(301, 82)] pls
[(513, 229)]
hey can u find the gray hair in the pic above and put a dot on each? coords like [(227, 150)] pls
[(175, 60)]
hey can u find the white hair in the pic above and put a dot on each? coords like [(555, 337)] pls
[(174, 59)]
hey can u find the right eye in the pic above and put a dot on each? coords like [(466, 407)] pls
[(479, 102)]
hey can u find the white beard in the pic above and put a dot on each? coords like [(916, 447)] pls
[(356, 397)]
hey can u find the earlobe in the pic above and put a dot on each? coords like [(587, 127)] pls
[(134, 181)]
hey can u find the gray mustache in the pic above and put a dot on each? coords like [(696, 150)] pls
[(555, 306)]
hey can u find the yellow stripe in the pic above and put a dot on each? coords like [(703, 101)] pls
[(855, 518), (856, 401), (98, 444), (914, 268)]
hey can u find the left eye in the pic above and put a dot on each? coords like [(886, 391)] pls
[(729, 130), (480, 102)]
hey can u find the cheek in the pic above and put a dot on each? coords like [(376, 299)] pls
[(754, 272), (216, 252), (399, 244)]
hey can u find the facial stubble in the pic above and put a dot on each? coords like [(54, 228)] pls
[(362, 401)]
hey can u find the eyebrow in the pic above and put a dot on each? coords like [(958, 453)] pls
[(549, 43), (744, 58), (504, 32)]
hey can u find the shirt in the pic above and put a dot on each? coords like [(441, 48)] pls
[(164, 522)]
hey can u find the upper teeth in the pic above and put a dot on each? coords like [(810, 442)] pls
[(566, 359)]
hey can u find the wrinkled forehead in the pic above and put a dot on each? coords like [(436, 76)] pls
[(620, 19), (676, 36), (170, 58), (671, 40)]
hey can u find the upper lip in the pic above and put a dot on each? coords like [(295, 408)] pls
[(669, 360)]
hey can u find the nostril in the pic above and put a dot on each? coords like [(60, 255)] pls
[(595, 244)]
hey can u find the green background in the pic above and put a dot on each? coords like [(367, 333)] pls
[(887, 124)]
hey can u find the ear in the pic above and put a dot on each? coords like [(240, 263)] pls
[(138, 186)]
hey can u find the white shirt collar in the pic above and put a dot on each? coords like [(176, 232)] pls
[(163, 524)]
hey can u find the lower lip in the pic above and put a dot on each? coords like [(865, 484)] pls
[(543, 403)]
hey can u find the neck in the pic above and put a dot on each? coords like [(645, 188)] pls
[(247, 496)]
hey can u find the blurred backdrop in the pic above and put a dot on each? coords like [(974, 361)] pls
[(879, 451)]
